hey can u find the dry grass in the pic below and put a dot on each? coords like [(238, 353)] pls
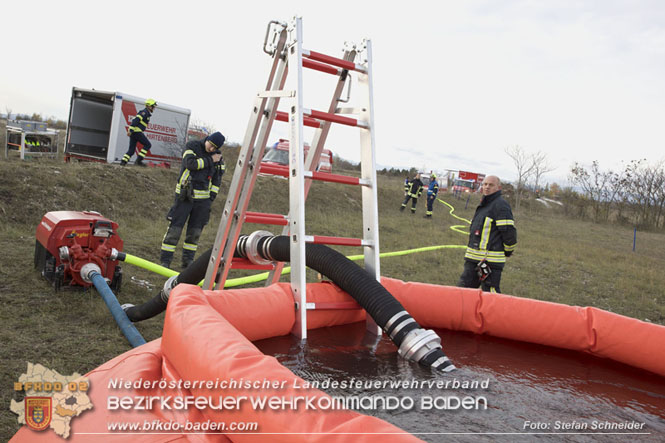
[(557, 259)]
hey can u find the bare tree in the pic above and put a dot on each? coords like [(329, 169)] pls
[(594, 184), (525, 166), (9, 111), (540, 167)]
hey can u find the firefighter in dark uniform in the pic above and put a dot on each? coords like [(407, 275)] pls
[(414, 191), (432, 191), (136, 133), (492, 238), (198, 184)]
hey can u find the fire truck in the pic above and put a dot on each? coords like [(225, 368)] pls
[(467, 182)]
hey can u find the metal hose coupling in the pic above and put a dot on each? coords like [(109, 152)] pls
[(417, 344), (248, 246), (88, 269), (171, 283)]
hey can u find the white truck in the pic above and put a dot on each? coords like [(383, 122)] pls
[(98, 122)]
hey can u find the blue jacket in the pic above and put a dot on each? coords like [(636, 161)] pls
[(433, 188)]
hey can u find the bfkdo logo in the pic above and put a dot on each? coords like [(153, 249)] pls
[(38, 412), (51, 400)]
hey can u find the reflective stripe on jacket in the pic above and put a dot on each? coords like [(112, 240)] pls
[(416, 188), (141, 121), (199, 170), (492, 231), (433, 188)]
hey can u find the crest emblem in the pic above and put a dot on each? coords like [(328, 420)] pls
[(38, 412)]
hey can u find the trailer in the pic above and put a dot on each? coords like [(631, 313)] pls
[(31, 139), (98, 122)]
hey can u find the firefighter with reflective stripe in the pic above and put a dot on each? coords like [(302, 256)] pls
[(136, 133), (432, 191), (198, 184), (492, 238), (414, 191)]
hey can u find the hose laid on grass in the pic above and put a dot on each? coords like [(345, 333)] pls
[(91, 273)]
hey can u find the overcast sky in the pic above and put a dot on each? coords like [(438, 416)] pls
[(455, 82)]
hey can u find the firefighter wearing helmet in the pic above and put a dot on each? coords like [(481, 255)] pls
[(432, 191), (136, 133)]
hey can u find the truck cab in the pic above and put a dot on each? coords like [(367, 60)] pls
[(278, 154), (461, 185)]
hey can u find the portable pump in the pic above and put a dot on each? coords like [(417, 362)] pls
[(69, 240)]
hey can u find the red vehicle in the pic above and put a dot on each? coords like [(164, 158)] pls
[(467, 182), (278, 154)]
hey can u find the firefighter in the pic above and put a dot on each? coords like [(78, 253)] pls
[(492, 238), (135, 132), (198, 184), (432, 191), (415, 189), (407, 184)]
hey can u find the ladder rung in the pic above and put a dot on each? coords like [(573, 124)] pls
[(281, 170), (334, 118), (333, 60), (340, 241), (311, 64), (336, 178), (307, 121), (265, 218), (243, 263), (334, 305)]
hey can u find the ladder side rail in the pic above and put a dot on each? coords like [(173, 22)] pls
[(297, 183), (248, 186), (249, 179), (213, 272), (368, 172), (316, 149)]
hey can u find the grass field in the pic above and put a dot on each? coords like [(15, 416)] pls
[(557, 259)]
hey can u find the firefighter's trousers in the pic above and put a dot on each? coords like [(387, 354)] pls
[(430, 204), (470, 278), (133, 139), (196, 214), (413, 202)]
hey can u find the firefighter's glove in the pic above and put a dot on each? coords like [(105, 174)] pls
[(508, 253), (483, 270)]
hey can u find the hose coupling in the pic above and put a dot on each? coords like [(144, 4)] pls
[(87, 269), (252, 247), (113, 255), (63, 252), (168, 285), (419, 343)]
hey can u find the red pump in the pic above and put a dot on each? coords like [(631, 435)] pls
[(68, 240)]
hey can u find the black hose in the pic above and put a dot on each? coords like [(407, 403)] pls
[(414, 342), (192, 274)]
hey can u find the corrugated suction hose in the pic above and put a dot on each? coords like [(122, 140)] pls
[(413, 342)]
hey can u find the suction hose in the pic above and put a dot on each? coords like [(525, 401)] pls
[(91, 273), (193, 274), (413, 342)]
